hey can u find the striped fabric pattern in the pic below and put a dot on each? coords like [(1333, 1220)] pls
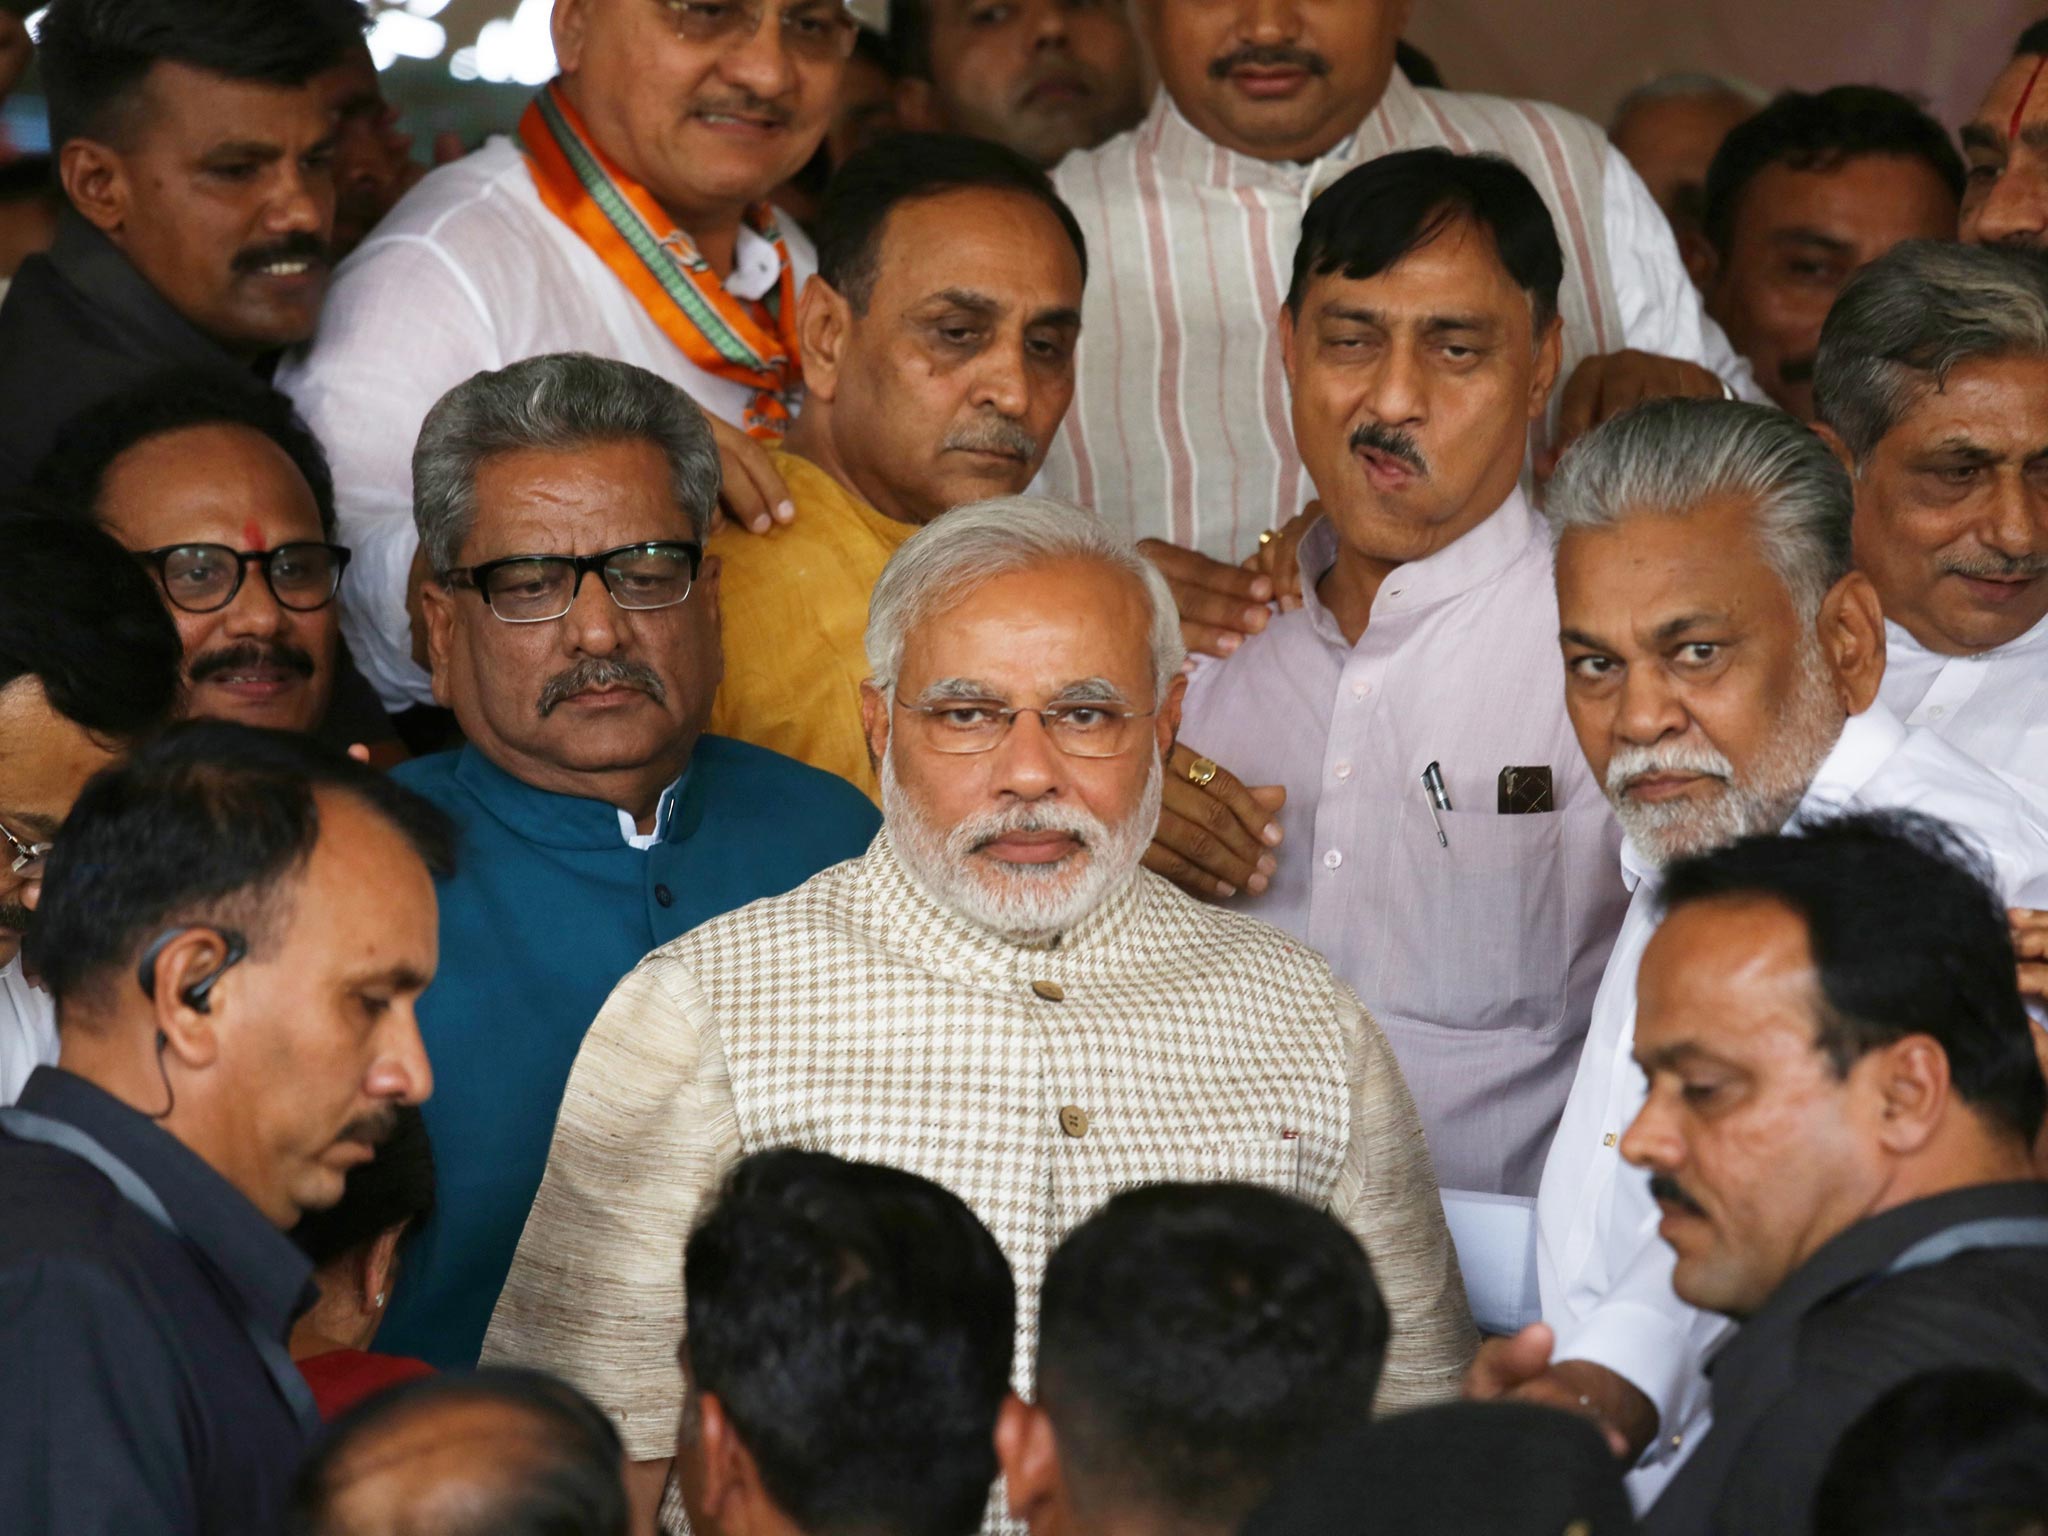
[(1180, 427)]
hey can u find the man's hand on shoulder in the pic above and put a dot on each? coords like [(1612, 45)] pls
[(1215, 838), (750, 492), (1601, 387), (1521, 1368), (1278, 556), (1220, 605)]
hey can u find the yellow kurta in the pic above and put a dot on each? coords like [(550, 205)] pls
[(793, 607)]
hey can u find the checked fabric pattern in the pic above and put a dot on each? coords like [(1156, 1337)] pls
[(1159, 1039)]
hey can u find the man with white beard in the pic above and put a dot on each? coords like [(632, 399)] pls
[(1722, 663), (995, 996)]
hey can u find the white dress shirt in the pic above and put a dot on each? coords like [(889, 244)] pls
[(1180, 426), (1480, 959), (28, 1030), (471, 272), (1993, 705), (1605, 1272)]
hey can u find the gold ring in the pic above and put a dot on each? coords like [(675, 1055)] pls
[(1266, 537), (1201, 771)]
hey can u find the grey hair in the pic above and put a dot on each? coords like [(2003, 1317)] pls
[(974, 544), (1899, 325), (1685, 85), (559, 402), (1670, 456)]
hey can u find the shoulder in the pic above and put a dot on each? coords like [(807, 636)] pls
[(431, 777), (794, 794), (1546, 119), (1930, 775), (833, 901), (1078, 177), (480, 215), (1234, 942)]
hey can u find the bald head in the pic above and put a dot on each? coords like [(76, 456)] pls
[(494, 1453)]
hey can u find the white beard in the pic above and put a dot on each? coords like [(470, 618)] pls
[(1025, 903)]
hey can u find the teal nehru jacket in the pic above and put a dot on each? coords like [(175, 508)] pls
[(548, 908)]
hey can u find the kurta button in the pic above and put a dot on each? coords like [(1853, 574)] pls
[(664, 895), (1053, 992), (1074, 1121)]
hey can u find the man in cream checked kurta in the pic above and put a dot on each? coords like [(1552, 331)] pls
[(994, 996)]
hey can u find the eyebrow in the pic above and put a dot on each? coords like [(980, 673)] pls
[(1677, 1055), (1671, 629), (1090, 690), (957, 688), (253, 149), (39, 827), (1981, 136), (1801, 235), (1059, 319), (1956, 450), (1430, 323), (965, 298), (1580, 637)]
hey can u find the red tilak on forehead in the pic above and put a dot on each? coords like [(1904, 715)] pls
[(2012, 129), (252, 536)]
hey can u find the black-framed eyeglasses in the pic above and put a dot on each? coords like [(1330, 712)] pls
[(27, 858), (531, 589), (204, 578)]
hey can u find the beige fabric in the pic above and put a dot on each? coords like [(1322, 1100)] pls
[(855, 1016)]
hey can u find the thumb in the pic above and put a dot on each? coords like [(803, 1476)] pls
[(1270, 797), (1505, 1364)]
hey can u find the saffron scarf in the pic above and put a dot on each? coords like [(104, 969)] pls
[(750, 343)]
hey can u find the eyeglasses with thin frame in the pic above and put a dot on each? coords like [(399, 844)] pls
[(1077, 728), (819, 31), (532, 589), (28, 858), (205, 578)]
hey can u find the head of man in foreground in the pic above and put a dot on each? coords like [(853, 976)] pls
[(1026, 689), (1831, 1028), (493, 1452), (847, 1350), (1715, 638), (1932, 386), (236, 926), (1194, 1341)]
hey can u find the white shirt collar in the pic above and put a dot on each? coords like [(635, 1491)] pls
[(1900, 641), (629, 829), (756, 269)]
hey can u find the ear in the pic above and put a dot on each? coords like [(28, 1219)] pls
[(569, 26), (823, 319), (1029, 1457), (437, 607), (189, 1033), (1912, 1080), (1851, 631), (874, 722), (917, 107), (95, 179), (379, 1267), (1702, 261), (1836, 446), (1167, 726), (730, 1495), (1288, 361), (1549, 363)]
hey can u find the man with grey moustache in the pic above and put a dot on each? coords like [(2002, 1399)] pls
[(573, 623), (1722, 662)]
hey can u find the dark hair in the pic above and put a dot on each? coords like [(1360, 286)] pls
[(2033, 40), (561, 1478), (206, 821), (877, 180), (1819, 131), (95, 54), (910, 38), (78, 613), (1194, 1339), (1956, 1452), (1387, 209), (393, 1189), (74, 470), (1909, 937), (30, 179), (857, 1324), (1419, 68)]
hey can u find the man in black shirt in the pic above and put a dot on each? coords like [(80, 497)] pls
[(236, 927), (194, 140), (1843, 1095)]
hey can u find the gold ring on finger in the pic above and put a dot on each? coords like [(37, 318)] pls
[(1201, 771), (1266, 537)]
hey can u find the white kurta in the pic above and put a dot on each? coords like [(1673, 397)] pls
[(28, 1030), (1993, 705)]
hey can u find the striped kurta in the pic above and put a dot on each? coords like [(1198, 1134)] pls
[(1180, 427)]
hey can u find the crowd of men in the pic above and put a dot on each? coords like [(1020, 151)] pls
[(1016, 765)]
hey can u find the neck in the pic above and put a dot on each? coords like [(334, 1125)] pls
[(1349, 587), (1968, 1155), (811, 437), (636, 790)]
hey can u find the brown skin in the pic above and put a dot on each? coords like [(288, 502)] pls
[(1772, 1151), (1671, 141), (202, 179), (1330, 64), (1676, 627), (1961, 479), (1045, 77), (45, 759), (1796, 238), (2005, 201), (718, 1477), (308, 1045), (354, 1291), (619, 745), (219, 484), (973, 317), (373, 164), (863, 111)]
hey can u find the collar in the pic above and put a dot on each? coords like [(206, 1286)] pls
[(1899, 640), (1866, 744), (1185, 152), (664, 804), (114, 287), (271, 1279), (1512, 533), (756, 265), (552, 820)]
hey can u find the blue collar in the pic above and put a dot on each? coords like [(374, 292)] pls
[(551, 820)]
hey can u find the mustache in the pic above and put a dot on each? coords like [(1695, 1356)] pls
[(600, 672), (15, 917), (373, 1129), (252, 653), (993, 434), (1391, 441), (1269, 56), (1993, 564), (1668, 1190), (977, 832), (299, 247), (1633, 763), (745, 104)]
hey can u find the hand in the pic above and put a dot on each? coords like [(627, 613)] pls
[(2030, 943), (1214, 839), (750, 492), (1219, 604), (1277, 557), (1520, 1368), (1601, 387)]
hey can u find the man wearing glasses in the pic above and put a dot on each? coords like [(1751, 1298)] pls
[(89, 666), (996, 997), (573, 627)]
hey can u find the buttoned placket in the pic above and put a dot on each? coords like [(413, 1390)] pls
[(1954, 686)]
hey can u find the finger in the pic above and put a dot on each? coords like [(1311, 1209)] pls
[(1203, 850), (1192, 569), (753, 493), (2034, 980), (359, 751), (1219, 610), (1241, 816), (1576, 410), (1162, 860), (1201, 818), (1208, 640), (1503, 1365)]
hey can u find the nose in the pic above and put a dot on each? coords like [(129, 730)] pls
[(2014, 210), (1398, 396), (401, 1072), (594, 624), (1274, 21), (254, 613), (1026, 763), (2016, 521), (1651, 1142), (1002, 383), (1649, 709), (304, 202), (759, 63), (1051, 25)]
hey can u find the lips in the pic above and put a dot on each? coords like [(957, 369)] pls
[(1996, 589), (1267, 84), (1033, 847), (256, 682), (1386, 472), (725, 120), (1655, 787), (1057, 91)]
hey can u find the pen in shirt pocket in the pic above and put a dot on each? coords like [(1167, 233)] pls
[(1437, 798)]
